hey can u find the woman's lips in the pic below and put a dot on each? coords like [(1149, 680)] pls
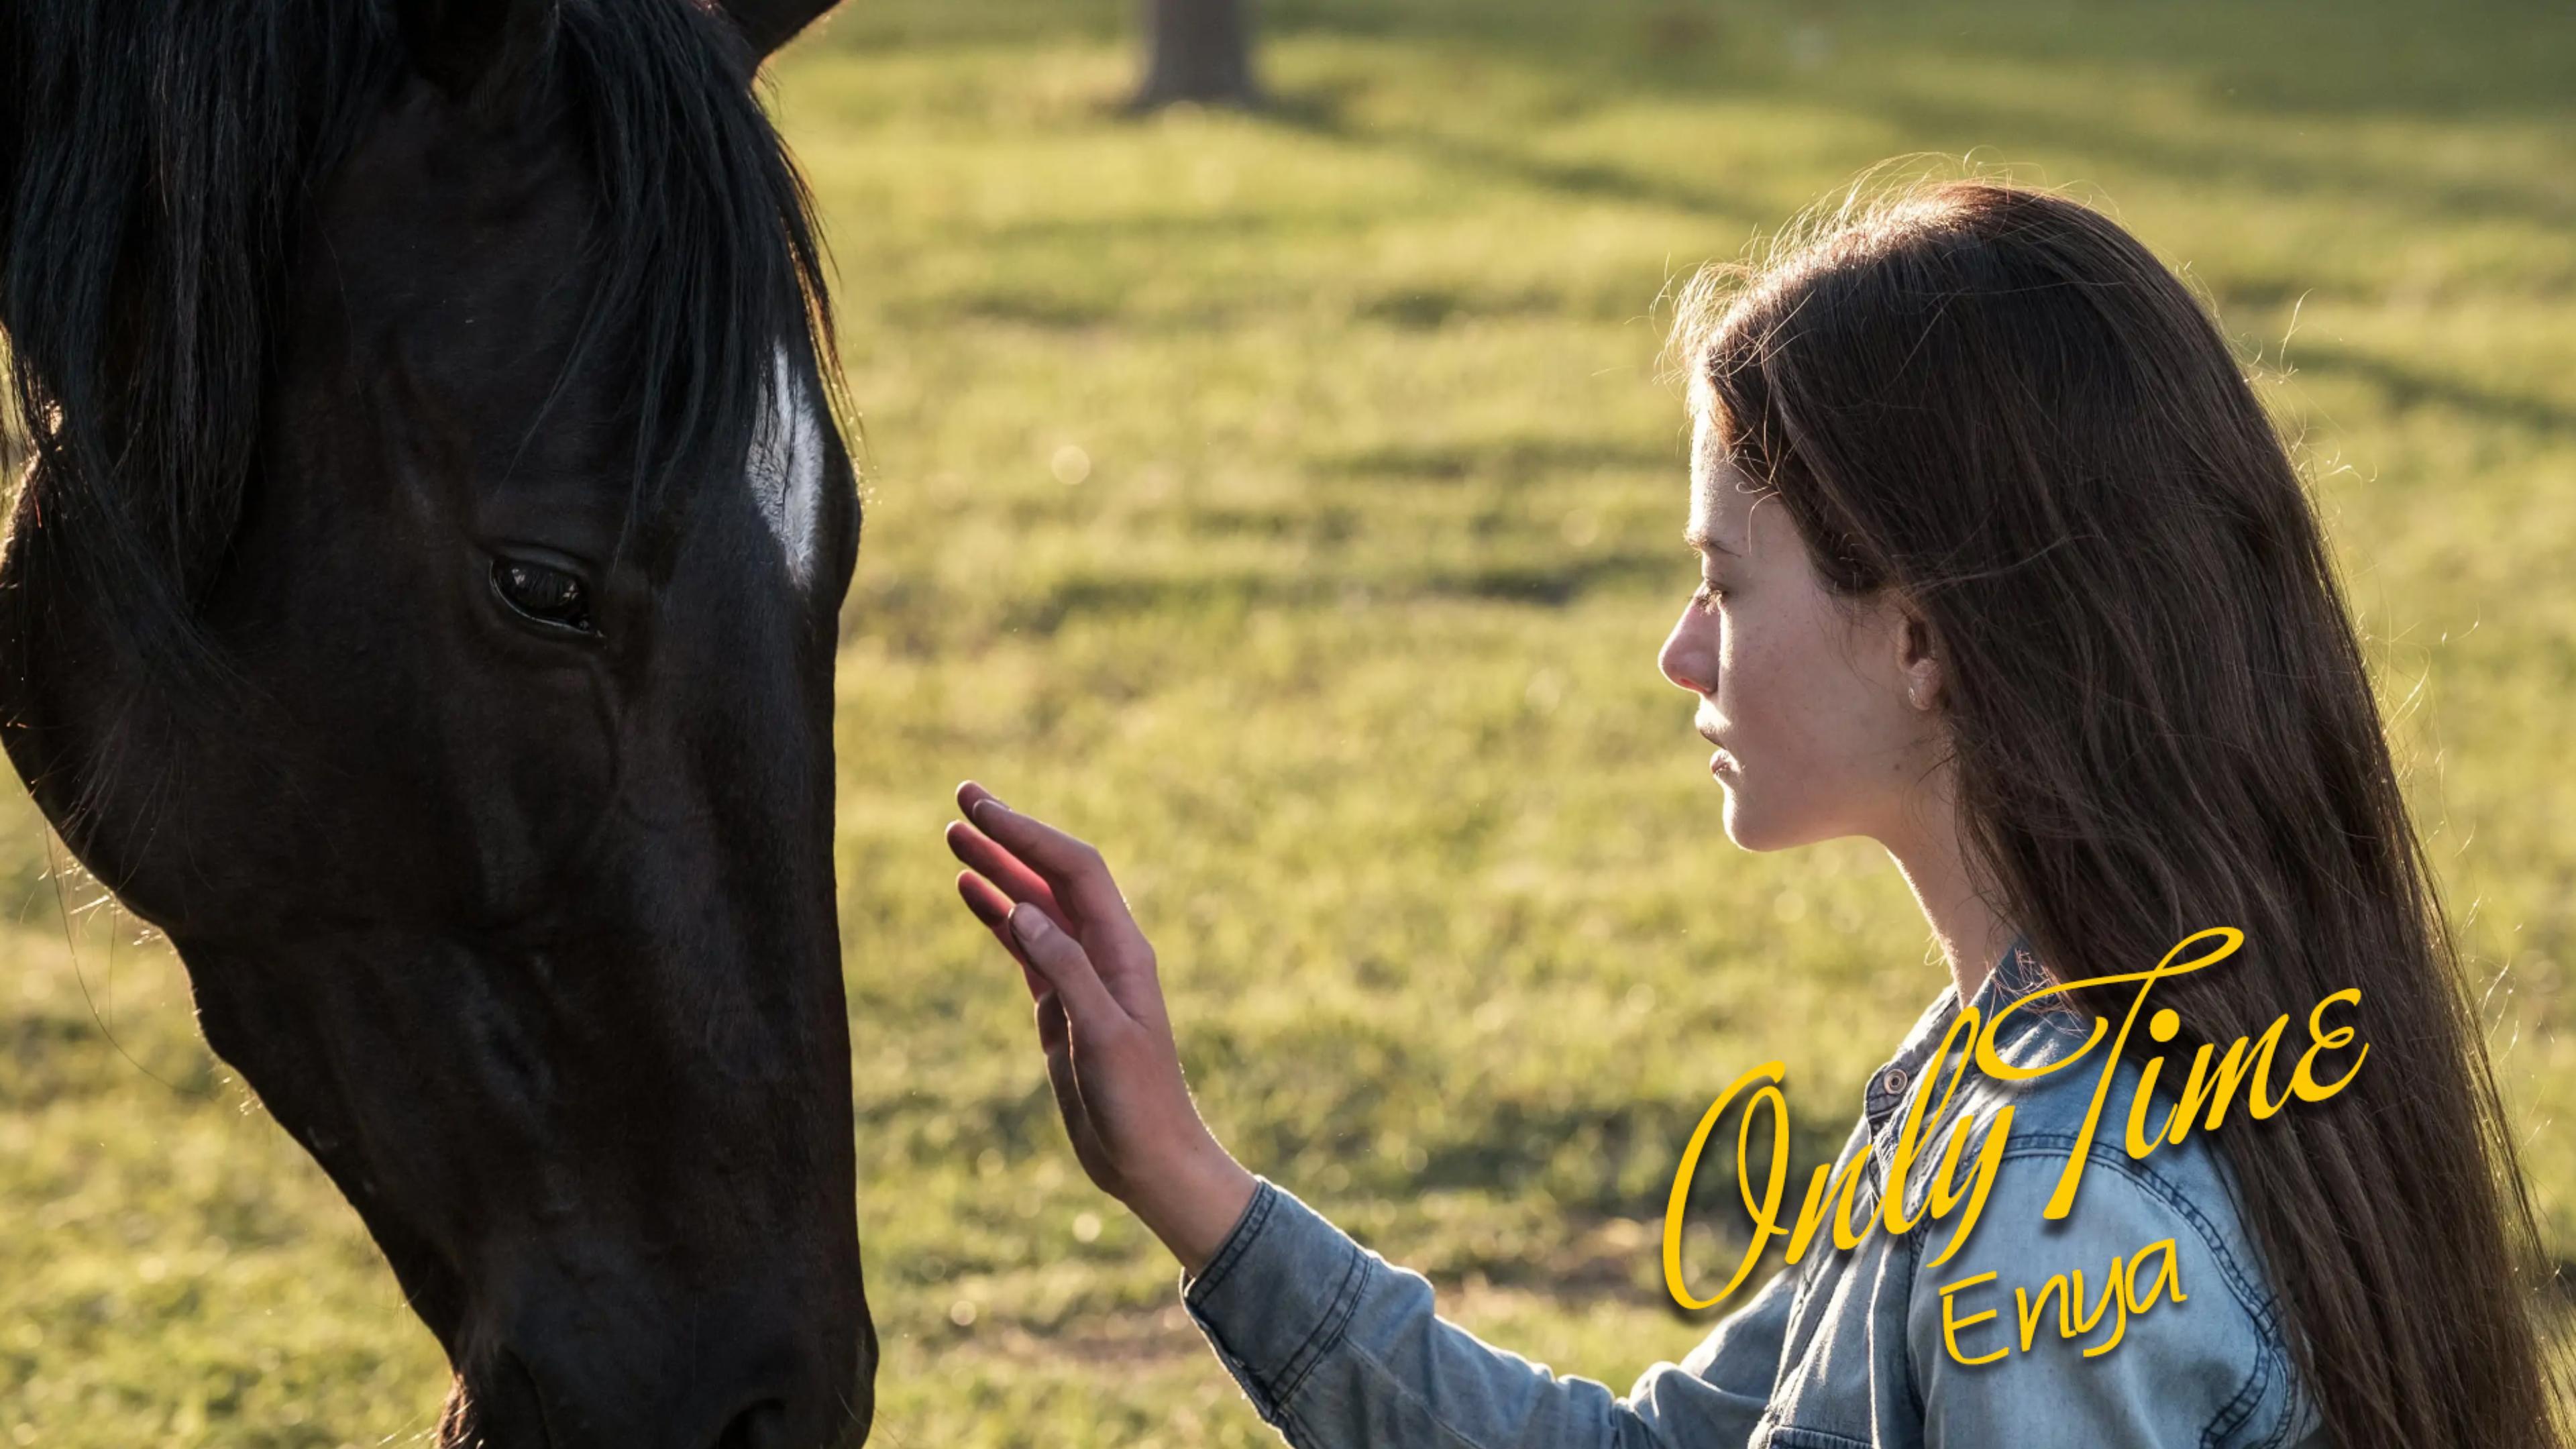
[(1720, 763)]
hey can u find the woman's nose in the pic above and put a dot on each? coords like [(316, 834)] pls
[(1689, 658)]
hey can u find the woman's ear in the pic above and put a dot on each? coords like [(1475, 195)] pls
[(1918, 659)]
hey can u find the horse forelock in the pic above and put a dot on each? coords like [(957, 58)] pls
[(168, 154)]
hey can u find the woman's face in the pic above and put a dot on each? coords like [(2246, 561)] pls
[(1821, 707)]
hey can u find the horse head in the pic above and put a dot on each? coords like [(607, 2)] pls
[(422, 607)]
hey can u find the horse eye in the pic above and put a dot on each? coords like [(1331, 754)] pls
[(547, 595)]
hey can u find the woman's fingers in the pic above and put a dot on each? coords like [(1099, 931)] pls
[(990, 906), (1075, 871), (968, 792), (1030, 860), (1055, 1034), (1067, 967), (981, 853)]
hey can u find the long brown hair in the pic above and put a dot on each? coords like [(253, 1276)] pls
[(1996, 401)]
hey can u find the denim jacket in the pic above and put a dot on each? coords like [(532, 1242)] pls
[(1337, 1347)]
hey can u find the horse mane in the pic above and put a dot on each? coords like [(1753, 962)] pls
[(158, 161)]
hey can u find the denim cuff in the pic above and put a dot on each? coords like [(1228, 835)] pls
[(1278, 1295)]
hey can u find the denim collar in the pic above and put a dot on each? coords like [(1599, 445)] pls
[(2016, 975)]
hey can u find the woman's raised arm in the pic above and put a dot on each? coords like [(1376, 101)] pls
[(1334, 1345)]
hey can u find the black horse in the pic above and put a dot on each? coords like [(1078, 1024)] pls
[(421, 605)]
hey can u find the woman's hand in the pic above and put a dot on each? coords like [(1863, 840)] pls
[(1048, 899)]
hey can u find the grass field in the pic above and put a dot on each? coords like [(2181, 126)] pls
[(1290, 502)]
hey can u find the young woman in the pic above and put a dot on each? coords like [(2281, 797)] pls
[(2004, 567)]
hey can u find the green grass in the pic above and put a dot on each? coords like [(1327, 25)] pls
[(1343, 649)]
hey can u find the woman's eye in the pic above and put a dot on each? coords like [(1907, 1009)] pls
[(545, 594), (1708, 596)]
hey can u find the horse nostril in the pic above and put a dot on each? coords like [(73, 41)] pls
[(762, 1426)]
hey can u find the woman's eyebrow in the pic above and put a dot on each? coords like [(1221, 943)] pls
[(1698, 537)]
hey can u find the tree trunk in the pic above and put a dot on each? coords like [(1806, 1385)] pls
[(1201, 51)]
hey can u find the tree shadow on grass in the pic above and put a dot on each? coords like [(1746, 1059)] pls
[(2405, 386), (2300, 63), (1553, 582), (2287, 57)]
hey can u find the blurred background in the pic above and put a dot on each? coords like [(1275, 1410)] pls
[(1287, 497)]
